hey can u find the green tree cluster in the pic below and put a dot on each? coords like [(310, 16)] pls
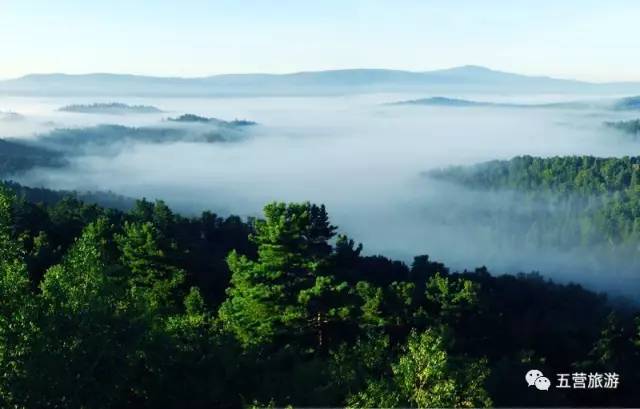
[(101, 308)]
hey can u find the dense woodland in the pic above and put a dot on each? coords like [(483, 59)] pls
[(564, 174), (565, 202), (102, 308)]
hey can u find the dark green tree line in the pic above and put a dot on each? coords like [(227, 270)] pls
[(109, 309)]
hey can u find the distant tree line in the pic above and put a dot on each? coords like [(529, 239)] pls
[(109, 108), (192, 118), (16, 157), (572, 201), (53, 148)]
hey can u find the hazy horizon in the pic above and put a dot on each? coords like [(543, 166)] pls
[(308, 71), (195, 38), (359, 156)]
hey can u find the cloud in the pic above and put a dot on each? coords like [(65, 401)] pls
[(364, 161)]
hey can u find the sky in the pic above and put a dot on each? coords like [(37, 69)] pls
[(579, 39)]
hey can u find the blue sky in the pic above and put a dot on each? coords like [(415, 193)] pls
[(583, 39)]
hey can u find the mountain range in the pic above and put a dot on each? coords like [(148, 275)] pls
[(459, 79)]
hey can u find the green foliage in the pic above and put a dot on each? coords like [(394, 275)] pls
[(194, 359), (426, 376), (18, 311), (568, 174), (98, 333), (449, 298), (143, 255), (147, 309), (563, 203), (289, 289), (91, 329)]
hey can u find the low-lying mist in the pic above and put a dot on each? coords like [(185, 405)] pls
[(363, 159)]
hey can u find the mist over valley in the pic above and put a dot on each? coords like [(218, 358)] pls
[(330, 204), (369, 160)]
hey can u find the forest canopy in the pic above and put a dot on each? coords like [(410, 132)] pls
[(148, 308), (575, 202)]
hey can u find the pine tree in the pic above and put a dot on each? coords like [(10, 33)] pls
[(143, 252), (289, 290)]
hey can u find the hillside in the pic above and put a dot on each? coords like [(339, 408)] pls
[(583, 204), (620, 104), (136, 301), (17, 157), (53, 148)]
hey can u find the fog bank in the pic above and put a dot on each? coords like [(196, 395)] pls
[(361, 158)]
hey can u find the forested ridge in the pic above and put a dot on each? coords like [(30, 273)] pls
[(56, 147), (102, 308), (564, 174), (201, 119), (16, 157), (568, 202)]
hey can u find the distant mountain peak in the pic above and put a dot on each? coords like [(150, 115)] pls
[(471, 67)]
